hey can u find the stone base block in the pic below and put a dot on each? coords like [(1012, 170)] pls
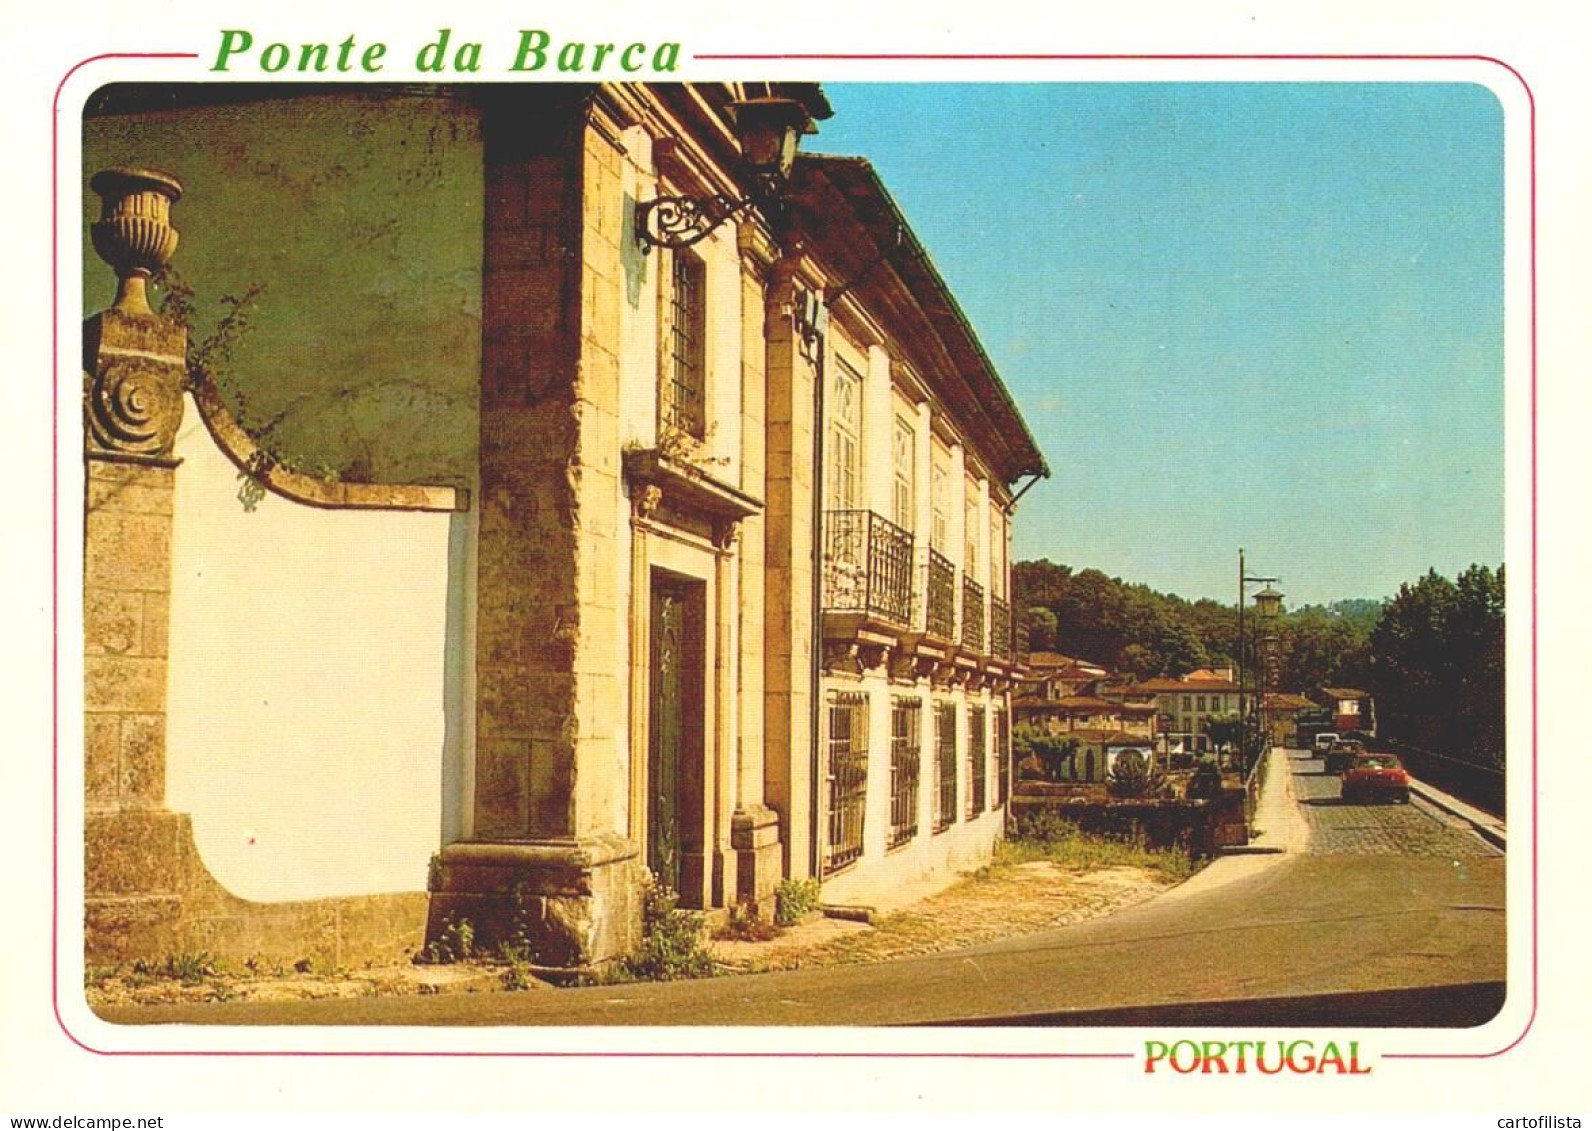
[(575, 903), (148, 895), (754, 834)]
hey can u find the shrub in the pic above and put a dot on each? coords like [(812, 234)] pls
[(1206, 782), (455, 944), (1133, 776), (1044, 827), (794, 900), (745, 925), (517, 960), (671, 942), (1056, 753)]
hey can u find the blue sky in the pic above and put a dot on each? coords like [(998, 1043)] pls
[(1265, 315)]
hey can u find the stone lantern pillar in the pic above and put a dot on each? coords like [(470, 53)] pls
[(133, 378)]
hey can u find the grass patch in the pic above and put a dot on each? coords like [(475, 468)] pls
[(1043, 836)]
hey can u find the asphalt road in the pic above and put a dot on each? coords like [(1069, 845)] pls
[(1393, 913)]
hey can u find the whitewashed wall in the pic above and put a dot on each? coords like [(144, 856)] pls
[(317, 686)]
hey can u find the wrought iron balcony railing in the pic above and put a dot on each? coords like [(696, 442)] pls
[(972, 614), (1000, 628), (942, 596), (867, 566)]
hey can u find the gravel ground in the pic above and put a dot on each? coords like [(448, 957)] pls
[(997, 903), (125, 987)]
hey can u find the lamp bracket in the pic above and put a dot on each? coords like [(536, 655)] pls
[(675, 222)]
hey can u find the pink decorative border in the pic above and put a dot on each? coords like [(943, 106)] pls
[(54, 486)]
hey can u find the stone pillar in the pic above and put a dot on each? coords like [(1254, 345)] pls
[(923, 516), (986, 555), (134, 373), (754, 827), (789, 630), (724, 720), (878, 434), (549, 859), (957, 520)]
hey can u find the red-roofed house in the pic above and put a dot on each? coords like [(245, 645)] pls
[(1186, 705), (1281, 714), (1352, 710)]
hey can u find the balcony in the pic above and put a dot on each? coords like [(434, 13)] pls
[(1000, 628), (942, 597), (867, 566), (972, 615)]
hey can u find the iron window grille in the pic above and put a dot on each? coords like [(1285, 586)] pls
[(1003, 756), (847, 778), (867, 565), (684, 407), (1000, 628), (906, 759), (944, 766), (972, 614), (942, 596), (977, 762)]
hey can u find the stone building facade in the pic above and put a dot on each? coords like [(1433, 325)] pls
[(705, 551)]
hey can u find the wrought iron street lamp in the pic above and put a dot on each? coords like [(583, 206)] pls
[(769, 131), (1268, 603), (1268, 606)]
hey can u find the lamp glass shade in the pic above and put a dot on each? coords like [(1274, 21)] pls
[(1268, 603), (769, 130)]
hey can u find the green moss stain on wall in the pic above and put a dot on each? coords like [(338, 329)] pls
[(360, 215)]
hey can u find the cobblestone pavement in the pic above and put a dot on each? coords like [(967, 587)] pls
[(1415, 829)]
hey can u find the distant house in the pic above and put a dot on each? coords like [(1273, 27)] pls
[(1054, 676), (1075, 713), (1353, 711), (1281, 712), (1186, 706)]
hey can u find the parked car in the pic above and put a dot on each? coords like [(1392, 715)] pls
[(1374, 776), (1343, 753), (1324, 742)]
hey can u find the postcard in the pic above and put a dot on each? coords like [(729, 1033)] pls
[(689, 547)]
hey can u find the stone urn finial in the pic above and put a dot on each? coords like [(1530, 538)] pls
[(134, 233)]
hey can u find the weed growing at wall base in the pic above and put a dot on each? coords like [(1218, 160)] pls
[(794, 900), (671, 943)]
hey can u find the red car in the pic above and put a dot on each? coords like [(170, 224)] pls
[(1373, 776)]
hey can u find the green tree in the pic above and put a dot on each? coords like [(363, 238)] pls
[(1041, 628), (1436, 664)]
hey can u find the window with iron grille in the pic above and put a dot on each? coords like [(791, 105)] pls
[(847, 773), (977, 762), (906, 759), (683, 404), (944, 766), (1003, 756)]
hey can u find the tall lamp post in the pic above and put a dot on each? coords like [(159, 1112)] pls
[(1270, 609)]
